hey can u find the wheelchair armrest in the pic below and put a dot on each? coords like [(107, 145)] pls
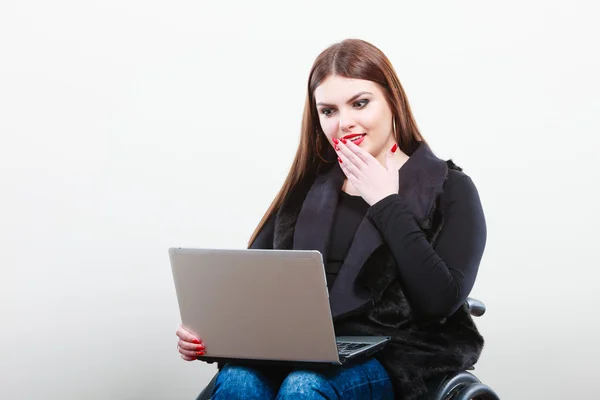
[(476, 307)]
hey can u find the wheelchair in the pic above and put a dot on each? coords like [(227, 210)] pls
[(462, 386)]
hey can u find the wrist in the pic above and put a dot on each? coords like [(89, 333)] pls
[(383, 199)]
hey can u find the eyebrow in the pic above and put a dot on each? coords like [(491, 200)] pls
[(356, 96)]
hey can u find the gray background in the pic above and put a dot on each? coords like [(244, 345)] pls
[(130, 126)]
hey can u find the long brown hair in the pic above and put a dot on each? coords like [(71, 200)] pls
[(356, 59)]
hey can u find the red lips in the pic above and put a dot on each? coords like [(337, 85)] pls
[(358, 138), (352, 136)]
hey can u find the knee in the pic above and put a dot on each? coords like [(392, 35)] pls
[(305, 385), (237, 382)]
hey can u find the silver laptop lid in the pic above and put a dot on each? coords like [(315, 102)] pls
[(256, 304)]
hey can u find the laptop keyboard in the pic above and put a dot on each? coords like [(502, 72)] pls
[(345, 348)]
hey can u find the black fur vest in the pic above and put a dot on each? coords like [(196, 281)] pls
[(367, 298)]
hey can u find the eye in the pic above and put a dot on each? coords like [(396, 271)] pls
[(327, 112), (361, 103)]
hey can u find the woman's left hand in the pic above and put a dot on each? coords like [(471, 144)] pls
[(372, 180)]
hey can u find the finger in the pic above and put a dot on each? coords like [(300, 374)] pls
[(186, 358), (361, 153), (187, 336), (350, 155), (351, 177), (389, 159), (345, 169), (190, 346), (349, 165), (191, 353)]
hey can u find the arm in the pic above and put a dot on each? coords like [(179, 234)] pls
[(436, 281)]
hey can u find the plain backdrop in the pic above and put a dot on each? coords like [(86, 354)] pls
[(131, 126)]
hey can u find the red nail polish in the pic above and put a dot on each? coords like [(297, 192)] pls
[(394, 148), (199, 353), (335, 141), (343, 140), (200, 348), (336, 148), (196, 341), (340, 160)]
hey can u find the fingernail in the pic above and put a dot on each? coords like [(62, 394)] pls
[(335, 141), (199, 348), (196, 341), (394, 148), (336, 148), (343, 140), (199, 353), (340, 160)]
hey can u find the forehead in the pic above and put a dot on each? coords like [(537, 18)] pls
[(338, 89)]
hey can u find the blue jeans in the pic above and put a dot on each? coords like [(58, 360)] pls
[(363, 380)]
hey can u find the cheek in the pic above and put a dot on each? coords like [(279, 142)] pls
[(377, 123), (372, 119), (329, 127)]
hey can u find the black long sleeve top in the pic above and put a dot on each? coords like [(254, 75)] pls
[(349, 213), (436, 280)]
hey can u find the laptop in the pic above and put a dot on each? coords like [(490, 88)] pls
[(262, 306)]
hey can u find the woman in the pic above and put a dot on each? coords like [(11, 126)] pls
[(402, 233)]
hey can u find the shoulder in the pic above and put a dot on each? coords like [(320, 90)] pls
[(458, 185)]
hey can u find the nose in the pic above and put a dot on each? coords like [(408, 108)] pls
[(346, 123)]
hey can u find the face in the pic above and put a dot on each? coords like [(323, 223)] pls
[(355, 109)]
